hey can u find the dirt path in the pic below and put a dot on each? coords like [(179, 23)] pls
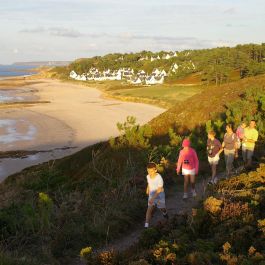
[(175, 205)]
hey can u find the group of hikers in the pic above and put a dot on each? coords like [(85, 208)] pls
[(244, 138)]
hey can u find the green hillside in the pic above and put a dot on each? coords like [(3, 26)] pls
[(51, 211), (217, 65), (48, 213)]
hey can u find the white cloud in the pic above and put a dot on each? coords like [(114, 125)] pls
[(230, 11), (64, 32)]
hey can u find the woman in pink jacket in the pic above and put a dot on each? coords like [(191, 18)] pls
[(189, 162)]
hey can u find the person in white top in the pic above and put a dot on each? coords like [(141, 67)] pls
[(155, 192)]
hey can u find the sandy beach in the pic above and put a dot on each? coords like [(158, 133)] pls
[(76, 116)]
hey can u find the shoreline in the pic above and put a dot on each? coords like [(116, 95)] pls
[(74, 116)]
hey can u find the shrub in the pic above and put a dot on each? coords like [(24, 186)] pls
[(132, 135), (175, 140), (149, 237), (261, 225), (213, 205), (201, 258), (86, 254)]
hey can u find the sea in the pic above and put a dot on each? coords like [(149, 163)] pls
[(15, 70)]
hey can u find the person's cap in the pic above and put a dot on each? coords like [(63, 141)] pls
[(186, 143)]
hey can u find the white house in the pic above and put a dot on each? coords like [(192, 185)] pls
[(118, 76), (161, 80), (73, 74), (175, 66), (167, 56), (156, 72), (152, 80), (163, 73), (137, 81), (143, 58)]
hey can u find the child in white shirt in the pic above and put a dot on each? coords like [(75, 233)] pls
[(155, 192)]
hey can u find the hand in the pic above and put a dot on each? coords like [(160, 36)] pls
[(151, 202)]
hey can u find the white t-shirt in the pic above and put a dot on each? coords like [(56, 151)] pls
[(155, 183)]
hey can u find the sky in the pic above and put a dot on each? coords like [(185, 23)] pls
[(64, 30)]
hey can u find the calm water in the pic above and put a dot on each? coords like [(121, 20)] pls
[(15, 70), (11, 134), (10, 96)]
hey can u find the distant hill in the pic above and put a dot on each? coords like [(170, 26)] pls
[(43, 63), (218, 65)]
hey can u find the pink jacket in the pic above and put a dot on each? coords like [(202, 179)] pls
[(188, 159)]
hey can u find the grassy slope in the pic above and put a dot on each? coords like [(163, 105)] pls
[(90, 193), (168, 94), (228, 227), (204, 106)]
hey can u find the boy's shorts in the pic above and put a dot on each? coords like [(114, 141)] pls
[(159, 202)]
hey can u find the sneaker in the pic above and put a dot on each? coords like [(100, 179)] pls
[(185, 196), (210, 182), (194, 194), (215, 180), (146, 225), (165, 215)]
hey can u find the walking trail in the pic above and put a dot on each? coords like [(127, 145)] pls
[(175, 205)]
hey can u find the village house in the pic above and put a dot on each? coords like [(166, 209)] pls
[(152, 80), (136, 81), (143, 58), (163, 73), (73, 74), (93, 74), (167, 56)]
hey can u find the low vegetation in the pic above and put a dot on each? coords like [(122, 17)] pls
[(227, 228), (165, 95), (55, 212)]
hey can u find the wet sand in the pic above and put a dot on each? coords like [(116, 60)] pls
[(77, 116)]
